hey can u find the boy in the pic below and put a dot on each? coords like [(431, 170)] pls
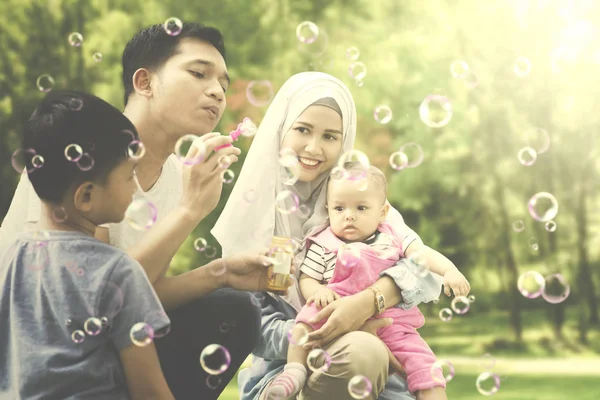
[(78, 316), (347, 258)]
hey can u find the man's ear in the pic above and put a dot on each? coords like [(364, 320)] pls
[(384, 212), (84, 195), (141, 82)]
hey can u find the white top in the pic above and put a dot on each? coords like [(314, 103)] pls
[(166, 193)]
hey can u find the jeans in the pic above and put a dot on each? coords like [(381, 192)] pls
[(226, 317)]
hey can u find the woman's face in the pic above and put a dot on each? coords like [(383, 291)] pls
[(316, 137)]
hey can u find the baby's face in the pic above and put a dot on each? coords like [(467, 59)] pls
[(354, 214)]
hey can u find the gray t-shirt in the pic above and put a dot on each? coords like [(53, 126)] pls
[(68, 303)]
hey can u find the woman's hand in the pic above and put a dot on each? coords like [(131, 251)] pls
[(344, 315), (372, 326)]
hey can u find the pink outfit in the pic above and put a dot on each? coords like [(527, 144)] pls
[(401, 337)]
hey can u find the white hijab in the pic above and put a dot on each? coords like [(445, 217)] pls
[(250, 225)]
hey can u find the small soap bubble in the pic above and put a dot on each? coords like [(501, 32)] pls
[(23, 159), (383, 114), (259, 93), (298, 336), (533, 244), (200, 244), (442, 371), (287, 202), (213, 381), (215, 359), (357, 71), (73, 152), (44, 83), (92, 326), (86, 162), (141, 334), (414, 154), (97, 56), (556, 289), (531, 284), (459, 69), (522, 66), (75, 39), (460, 305), (487, 383), (250, 196), (318, 360), (190, 150), (355, 156), (37, 161), (76, 104), (227, 176), (104, 322), (156, 318), (550, 226), (352, 53), (538, 139), (398, 160), (247, 127), (360, 387), (219, 268), (136, 150), (445, 314), (59, 214), (224, 162), (435, 111), (210, 251), (527, 156), (518, 225), (173, 26), (360, 83), (141, 214), (307, 32), (543, 207), (349, 255), (78, 336), (339, 173), (471, 298)]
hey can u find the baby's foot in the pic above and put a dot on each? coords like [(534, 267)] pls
[(289, 383)]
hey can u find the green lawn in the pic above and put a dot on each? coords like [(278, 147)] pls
[(542, 369)]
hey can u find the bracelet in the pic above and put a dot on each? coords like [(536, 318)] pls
[(379, 299)]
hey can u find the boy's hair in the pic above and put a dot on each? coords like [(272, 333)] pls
[(374, 175), (67, 117), (152, 47)]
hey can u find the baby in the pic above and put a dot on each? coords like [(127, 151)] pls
[(347, 258)]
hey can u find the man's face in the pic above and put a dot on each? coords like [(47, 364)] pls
[(188, 92)]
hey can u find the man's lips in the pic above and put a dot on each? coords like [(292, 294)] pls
[(213, 110)]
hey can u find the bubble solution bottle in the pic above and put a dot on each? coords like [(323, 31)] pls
[(282, 254)]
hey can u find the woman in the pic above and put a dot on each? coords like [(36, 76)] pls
[(314, 115)]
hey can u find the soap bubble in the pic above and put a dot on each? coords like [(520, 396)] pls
[(543, 207), (442, 371), (531, 284), (459, 69), (86, 162), (141, 214), (227, 176), (92, 326), (357, 70), (556, 289), (538, 139), (259, 93), (215, 359), (360, 387), (73, 152), (287, 202), (527, 156), (298, 335), (97, 57), (173, 26), (487, 383), (44, 83), (435, 111), (307, 32), (185, 144), (383, 114), (75, 39), (141, 334), (78, 336), (352, 53), (318, 360), (445, 314), (550, 226), (414, 154), (460, 305), (200, 244), (522, 66), (518, 225), (398, 160)]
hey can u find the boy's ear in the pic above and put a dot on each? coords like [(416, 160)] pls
[(141, 82), (384, 212), (83, 196)]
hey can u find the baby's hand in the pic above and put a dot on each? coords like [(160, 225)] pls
[(322, 297), (456, 281)]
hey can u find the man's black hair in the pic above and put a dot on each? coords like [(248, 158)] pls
[(153, 46), (66, 118)]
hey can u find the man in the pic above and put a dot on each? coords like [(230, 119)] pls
[(174, 86)]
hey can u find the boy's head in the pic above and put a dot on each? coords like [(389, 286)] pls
[(355, 213), (101, 137), (180, 81)]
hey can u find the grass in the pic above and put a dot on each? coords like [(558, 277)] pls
[(541, 369)]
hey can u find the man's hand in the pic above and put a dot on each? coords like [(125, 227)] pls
[(456, 281), (323, 297), (202, 183), (372, 326), (248, 271)]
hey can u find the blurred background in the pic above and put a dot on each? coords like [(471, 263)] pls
[(481, 113)]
